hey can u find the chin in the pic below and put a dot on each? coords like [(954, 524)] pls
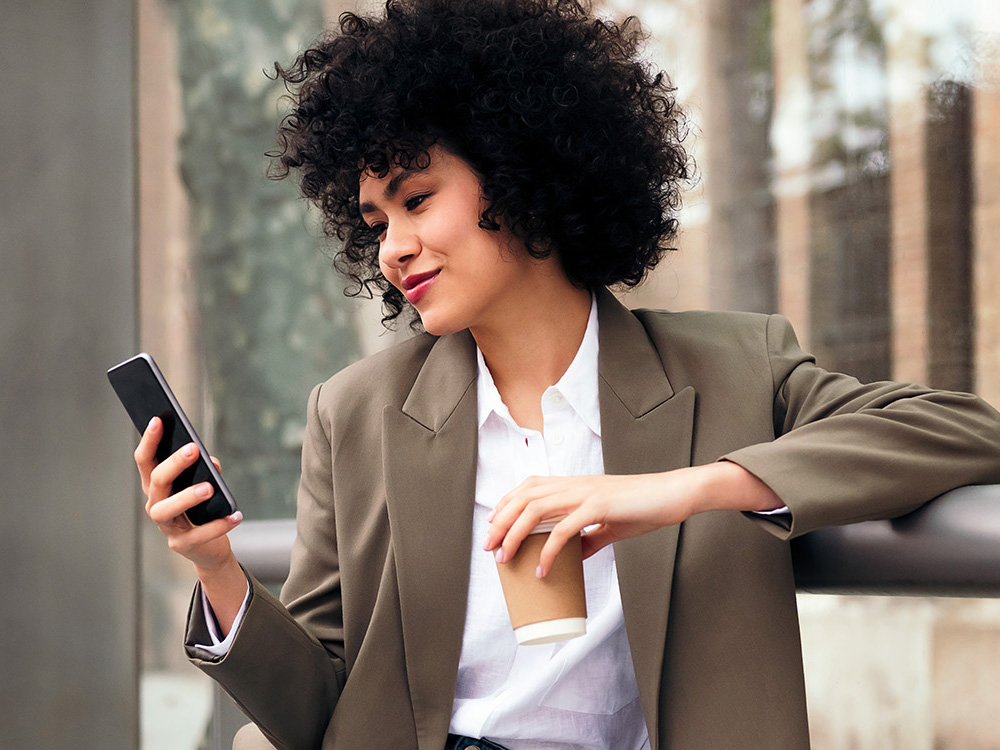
[(439, 328), (440, 325)]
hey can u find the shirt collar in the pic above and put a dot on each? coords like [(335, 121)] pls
[(578, 384)]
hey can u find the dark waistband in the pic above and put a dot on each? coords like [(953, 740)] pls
[(458, 742)]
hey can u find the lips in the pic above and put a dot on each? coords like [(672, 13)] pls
[(415, 285)]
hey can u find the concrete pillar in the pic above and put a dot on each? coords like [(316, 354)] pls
[(792, 146), (986, 209), (931, 215), (737, 69), (906, 58), (68, 540), (168, 305)]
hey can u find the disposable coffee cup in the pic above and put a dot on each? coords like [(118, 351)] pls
[(549, 609)]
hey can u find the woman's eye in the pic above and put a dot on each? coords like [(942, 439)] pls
[(378, 228), (414, 201)]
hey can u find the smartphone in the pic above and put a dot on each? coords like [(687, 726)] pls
[(145, 394)]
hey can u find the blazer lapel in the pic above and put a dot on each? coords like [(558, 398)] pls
[(429, 452), (645, 427)]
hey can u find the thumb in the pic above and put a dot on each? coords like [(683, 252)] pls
[(596, 540)]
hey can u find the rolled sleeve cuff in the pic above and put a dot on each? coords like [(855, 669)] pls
[(220, 646)]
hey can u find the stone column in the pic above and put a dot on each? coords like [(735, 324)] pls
[(737, 69), (678, 37), (986, 207), (168, 308), (931, 214), (68, 539), (792, 147), (950, 184), (906, 57)]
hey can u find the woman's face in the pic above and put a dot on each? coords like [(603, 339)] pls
[(431, 247)]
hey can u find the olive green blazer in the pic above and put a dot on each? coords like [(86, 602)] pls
[(364, 647)]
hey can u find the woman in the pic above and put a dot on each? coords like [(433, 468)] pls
[(494, 165)]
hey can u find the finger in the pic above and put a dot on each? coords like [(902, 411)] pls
[(511, 542), (597, 539), (217, 462), (508, 501), (161, 480), (532, 515), (508, 512), (185, 542), (168, 510), (499, 528), (512, 505), (501, 518), (145, 451), (563, 531)]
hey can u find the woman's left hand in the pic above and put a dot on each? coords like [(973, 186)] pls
[(618, 506)]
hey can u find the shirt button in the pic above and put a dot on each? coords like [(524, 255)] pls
[(558, 439), (556, 397)]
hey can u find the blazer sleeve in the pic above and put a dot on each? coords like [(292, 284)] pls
[(846, 452), (274, 650)]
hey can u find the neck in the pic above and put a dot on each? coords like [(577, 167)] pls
[(534, 345)]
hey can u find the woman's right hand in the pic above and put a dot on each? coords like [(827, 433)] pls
[(207, 546)]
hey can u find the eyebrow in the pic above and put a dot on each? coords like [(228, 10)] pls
[(390, 190)]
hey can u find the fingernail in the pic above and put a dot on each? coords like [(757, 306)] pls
[(189, 450), (236, 517), (204, 490), (538, 572), (499, 556), (152, 423)]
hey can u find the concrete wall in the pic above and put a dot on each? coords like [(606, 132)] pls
[(68, 553)]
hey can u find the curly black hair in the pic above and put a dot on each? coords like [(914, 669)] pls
[(578, 142)]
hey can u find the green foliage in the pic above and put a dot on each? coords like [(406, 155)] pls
[(273, 321), (836, 26)]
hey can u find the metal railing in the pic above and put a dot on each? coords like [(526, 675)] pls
[(948, 547)]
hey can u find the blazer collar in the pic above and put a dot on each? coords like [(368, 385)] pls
[(443, 381), (429, 450), (629, 365)]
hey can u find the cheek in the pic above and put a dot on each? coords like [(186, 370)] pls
[(391, 275)]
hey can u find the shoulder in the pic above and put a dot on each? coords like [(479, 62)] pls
[(732, 347), (706, 329)]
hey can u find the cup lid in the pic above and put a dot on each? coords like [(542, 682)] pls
[(550, 631), (547, 525)]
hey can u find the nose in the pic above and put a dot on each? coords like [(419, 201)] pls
[(399, 246)]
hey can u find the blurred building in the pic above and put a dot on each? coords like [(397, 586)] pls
[(850, 182), (847, 153), (849, 159)]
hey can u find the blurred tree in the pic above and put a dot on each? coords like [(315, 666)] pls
[(850, 200), (273, 321), (739, 104)]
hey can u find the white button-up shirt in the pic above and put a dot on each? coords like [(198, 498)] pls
[(579, 693)]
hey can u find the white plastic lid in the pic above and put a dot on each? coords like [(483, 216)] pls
[(550, 631), (547, 525)]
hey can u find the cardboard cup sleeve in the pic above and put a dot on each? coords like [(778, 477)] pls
[(549, 609)]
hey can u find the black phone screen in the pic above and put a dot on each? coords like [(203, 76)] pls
[(145, 394)]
